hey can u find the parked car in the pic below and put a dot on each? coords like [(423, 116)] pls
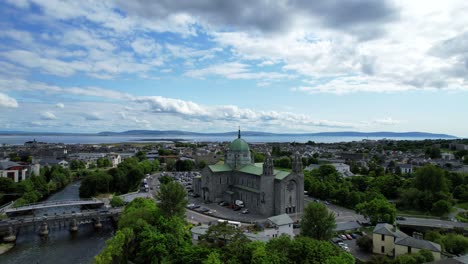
[(337, 240), (343, 237), (349, 237), (204, 210), (400, 218), (245, 211), (354, 236)]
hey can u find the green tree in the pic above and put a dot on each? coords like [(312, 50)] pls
[(431, 178), (117, 201), (201, 164), (317, 222), (377, 210), (156, 165), (365, 243), (213, 258), (221, 233), (441, 207), (140, 155), (455, 244), (117, 248), (172, 197), (165, 179), (433, 153)]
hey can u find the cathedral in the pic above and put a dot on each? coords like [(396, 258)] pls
[(262, 189)]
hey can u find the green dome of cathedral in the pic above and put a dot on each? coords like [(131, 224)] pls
[(239, 145)]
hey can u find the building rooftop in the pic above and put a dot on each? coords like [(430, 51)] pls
[(280, 220), (388, 230), (5, 164), (418, 243), (255, 169)]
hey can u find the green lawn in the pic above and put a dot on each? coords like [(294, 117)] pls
[(462, 205), (413, 213)]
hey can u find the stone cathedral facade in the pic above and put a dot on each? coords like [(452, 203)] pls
[(263, 189)]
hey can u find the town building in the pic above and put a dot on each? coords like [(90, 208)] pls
[(279, 225), (388, 240), (261, 188), (13, 170)]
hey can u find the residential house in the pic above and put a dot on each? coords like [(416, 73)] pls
[(13, 170), (405, 168), (388, 240), (447, 156), (384, 237)]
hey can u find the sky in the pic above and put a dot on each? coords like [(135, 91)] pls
[(214, 65)]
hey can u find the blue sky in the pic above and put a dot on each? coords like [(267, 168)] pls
[(209, 66)]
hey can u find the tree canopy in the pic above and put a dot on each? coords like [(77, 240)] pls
[(317, 222)]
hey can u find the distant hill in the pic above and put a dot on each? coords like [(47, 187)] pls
[(266, 134), (165, 133)]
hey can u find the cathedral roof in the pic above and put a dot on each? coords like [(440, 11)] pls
[(255, 169), (239, 145)]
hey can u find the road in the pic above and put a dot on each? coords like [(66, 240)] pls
[(430, 223), (342, 214)]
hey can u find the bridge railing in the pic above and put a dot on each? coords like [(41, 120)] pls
[(6, 206), (51, 203)]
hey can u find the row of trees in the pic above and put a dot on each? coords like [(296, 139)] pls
[(429, 190), (122, 179), (35, 187)]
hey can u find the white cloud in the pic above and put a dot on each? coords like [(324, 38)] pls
[(235, 70), (232, 113), (387, 121), (48, 116), (7, 101), (92, 116), (60, 105), (144, 46)]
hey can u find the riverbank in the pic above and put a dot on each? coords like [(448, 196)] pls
[(5, 247)]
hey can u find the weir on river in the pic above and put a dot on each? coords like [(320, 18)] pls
[(61, 245)]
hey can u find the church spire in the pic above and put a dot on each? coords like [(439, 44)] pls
[(238, 135)]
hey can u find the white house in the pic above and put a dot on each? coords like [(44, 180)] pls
[(115, 159), (279, 225), (13, 170), (447, 156), (405, 168), (388, 240)]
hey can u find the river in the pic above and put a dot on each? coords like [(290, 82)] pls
[(61, 246)]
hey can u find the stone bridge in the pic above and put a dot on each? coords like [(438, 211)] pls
[(9, 227)]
